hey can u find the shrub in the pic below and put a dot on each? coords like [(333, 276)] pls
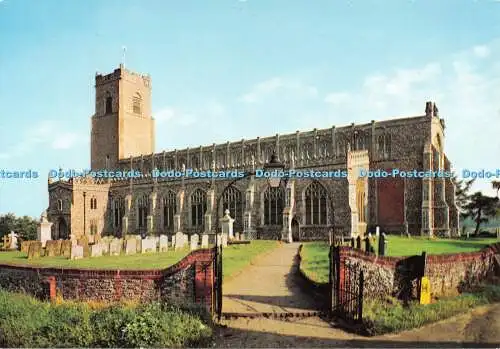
[(26, 322)]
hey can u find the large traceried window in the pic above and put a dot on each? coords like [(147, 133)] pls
[(198, 207), (137, 104), (358, 141), (384, 146), (273, 206), (118, 211), (169, 211), (142, 211), (232, 200), (316, 204)]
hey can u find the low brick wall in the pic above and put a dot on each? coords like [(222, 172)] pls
[(188, 281), (449, 274)]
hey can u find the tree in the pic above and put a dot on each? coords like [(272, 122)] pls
[(496, 185), (7, 224), (462, 196), (481, 208), (26, 227)]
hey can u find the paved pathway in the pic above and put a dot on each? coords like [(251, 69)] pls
[(269, 285)]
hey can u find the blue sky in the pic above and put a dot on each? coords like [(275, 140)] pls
[(227, 69)]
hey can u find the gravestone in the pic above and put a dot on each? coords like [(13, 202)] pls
[(53, 248), (13, 241), (35, 250), (131, 246), (180, 241), (86, 251), (368, 245), (204, 241), (96, 250), (115, 247), (242, 236), (148, 245), (227, 224), (163, 243), (138, 243), (44, 229), (237, 236), (173, 242), (195, 239), (77, 252), (25, 246), (82, 241), (6, 242), (66, 246), (105, 247), (381, 245), (224, 240)]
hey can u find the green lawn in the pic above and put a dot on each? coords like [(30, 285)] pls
[(315, 254), (235, 257), (137, 261)]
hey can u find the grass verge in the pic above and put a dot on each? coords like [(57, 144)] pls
[(27, 322), (389, 316)]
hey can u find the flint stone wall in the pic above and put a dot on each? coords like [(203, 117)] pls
[(185, 282), (449, 274)]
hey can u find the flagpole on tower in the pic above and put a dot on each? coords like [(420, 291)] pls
[(124, 49)]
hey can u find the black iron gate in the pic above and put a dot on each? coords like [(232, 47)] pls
[(217, 279), (347, 282)]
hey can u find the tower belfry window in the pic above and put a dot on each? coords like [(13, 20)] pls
[(109, 104), (136, 103)]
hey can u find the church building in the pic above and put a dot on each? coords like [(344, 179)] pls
[(296, 209)]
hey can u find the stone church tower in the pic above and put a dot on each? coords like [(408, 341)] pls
[(122, 125)]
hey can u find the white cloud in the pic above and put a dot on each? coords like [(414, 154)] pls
[(164, 115), (481, 51), (45, 133), (174, 117), (66, 140), (266, 88)]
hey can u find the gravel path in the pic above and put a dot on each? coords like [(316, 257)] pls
[(269, 285)]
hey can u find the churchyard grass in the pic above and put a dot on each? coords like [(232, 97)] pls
[(136, 261), (315, 254), (390, 316), (236, 257), (27, 322)]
